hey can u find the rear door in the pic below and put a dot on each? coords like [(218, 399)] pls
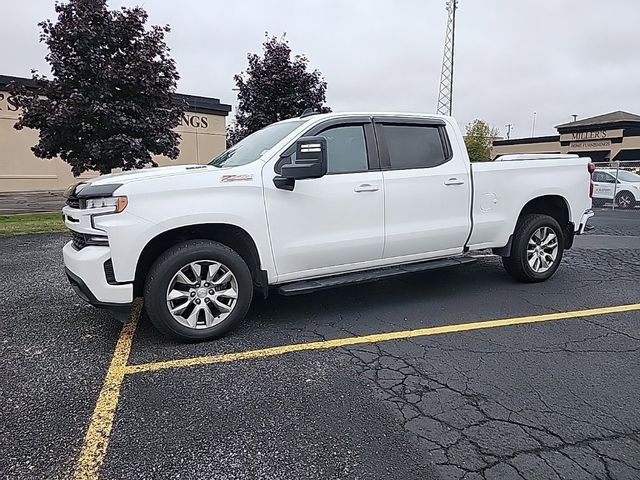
[(427, 189)]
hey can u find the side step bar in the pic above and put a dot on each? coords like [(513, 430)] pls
[(307, 286)]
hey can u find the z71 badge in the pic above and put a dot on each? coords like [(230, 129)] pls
[(236, 178)]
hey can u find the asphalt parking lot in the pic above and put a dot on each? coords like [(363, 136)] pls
[(542, 397)]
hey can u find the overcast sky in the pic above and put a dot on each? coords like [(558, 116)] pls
[(513, 57)]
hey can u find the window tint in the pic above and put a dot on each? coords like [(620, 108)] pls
[(346, 149), (413, 146)]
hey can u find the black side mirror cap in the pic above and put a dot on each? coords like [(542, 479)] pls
[(310, 160)]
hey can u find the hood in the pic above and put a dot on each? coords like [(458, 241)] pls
[(150, 173)]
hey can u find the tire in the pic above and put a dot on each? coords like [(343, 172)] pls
[(172, 281), (517, 264), (625, 200)]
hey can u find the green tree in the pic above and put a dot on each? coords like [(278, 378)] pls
[(478, 139), (109, 103), (275, 87)]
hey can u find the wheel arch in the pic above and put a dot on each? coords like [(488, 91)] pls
[(556, 206), (230, 235)]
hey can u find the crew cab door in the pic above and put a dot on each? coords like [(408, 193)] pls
[(427, 189), (326, 224)]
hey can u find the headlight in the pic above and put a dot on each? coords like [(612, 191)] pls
[(117, 204)]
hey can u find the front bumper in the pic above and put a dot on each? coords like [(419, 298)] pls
[(85, 270)]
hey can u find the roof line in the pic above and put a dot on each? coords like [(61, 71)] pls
[(195, 103)]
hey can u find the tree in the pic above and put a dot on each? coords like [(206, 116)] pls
[(479, 139), (109, 103), (275, 87)]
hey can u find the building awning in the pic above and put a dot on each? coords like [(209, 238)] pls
[(597, 156), (627, 155)]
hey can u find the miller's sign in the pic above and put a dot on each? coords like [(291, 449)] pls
[(597, 135), (601, 137)]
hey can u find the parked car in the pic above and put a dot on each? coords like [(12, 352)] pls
[(309, 203), (626, 191)]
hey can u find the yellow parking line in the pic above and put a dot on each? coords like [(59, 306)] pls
[(96, 440), (378, 337)]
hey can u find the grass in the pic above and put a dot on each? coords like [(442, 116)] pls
[(21, 224)]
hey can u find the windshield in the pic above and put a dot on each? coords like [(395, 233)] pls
[(253, 146), (628, 176)]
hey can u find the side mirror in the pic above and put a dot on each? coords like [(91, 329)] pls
[(311, 159)]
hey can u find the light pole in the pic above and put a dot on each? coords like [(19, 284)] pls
[(533, 127)]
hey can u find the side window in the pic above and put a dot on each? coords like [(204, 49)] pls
[(346, 149), (413, 146), (607, 178)]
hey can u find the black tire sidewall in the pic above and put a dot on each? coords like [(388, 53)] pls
[(166, 267), (527, 226), (628, 195)]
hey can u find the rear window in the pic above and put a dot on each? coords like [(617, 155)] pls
[(413, 146)]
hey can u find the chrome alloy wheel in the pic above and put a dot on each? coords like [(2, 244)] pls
[(202, 294), (624, 200), (542, 249)]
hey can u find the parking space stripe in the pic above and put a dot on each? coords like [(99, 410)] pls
[(374, 338), (97, 438)]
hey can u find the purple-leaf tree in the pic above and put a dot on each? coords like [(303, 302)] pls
[(275, 87), (109, 101)]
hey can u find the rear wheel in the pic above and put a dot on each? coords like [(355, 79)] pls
[(625, 200), (198, 290), (536, 249)]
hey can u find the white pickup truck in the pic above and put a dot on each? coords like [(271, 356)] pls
[(309, 203)]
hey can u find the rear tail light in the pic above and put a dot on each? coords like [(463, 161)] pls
[(591, 168)]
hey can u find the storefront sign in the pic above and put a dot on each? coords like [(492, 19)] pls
[(194, 121), (591, 135), (8, 103), (593, 145)]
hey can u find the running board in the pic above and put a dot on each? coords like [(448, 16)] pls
[(307, 286)]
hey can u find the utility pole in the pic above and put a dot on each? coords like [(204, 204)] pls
[(508, 127), (445, 93)]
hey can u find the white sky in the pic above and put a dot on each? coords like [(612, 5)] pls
[(513, 57)]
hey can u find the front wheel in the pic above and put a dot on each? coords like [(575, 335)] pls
[(625, 200), (198, 290), (536, 249)]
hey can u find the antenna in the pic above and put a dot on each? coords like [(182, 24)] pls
[(445, 94)]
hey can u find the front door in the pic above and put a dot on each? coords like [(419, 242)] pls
[(327, 225), (603, 185)]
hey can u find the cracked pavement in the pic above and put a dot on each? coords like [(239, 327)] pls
[(551, 400)]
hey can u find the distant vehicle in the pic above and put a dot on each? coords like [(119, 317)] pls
[(309, 203), (627, 191)]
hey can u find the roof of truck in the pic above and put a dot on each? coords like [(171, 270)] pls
[(368, 114)]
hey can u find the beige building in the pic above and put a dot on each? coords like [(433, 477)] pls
[(605, 138), (202, 130)]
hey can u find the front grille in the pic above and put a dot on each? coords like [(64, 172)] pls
[(73, 202), (79, 240)]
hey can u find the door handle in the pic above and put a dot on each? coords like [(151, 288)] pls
[(454, 181), (366, 187)]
